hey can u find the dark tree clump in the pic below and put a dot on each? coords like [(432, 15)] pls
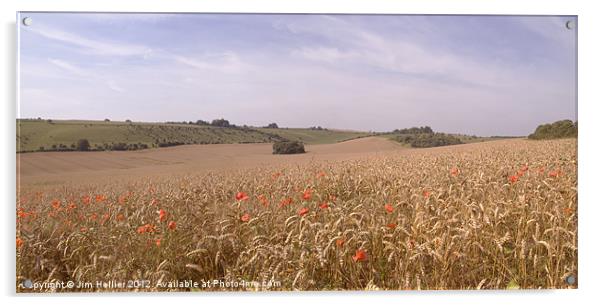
[(288, 147)]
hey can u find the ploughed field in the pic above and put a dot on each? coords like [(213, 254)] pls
[(362, 214)]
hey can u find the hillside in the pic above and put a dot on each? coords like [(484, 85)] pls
[(43, 135)]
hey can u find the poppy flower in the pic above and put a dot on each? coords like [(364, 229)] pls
[(245, 217), (306, 194), (83, 229), (56, 204), (324, 205), (426, 194), (19, 242), (100, 198), (454, 171), (568, 211), (389, 208), (241, 196), (524, 168), (21, 213), (513, 179), (121, 199), (94, 216), (320, 175), (286, 201), (158, 242), (147, 228), (162, 215), (392, 226), (303, 211), (171, 225), (340, 242), (276, 175), (520, 173), (360, 256), (72, 206), (263, 200), (86, 199), (120, 217), (554, 174)]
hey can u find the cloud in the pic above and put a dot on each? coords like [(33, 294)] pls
[(68, 67), (113, 86), (97, 47)]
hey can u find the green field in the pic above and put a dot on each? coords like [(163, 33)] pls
[(32, 135), (313, 136)]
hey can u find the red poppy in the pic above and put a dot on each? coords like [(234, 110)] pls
[(324, 205), (392, 226), (306, 194), (360, 256), (340, 242), (454, 171), (286, 201), (524, 168), (389, 208), (100, 198), (56, 204), (158, 242), (426, 194), (147, 228), (276, 175), (554, 174), (320, 175), (19, 242), (568, 211), (263, 200), (162, 215), (303, 211), (120, 217), (171, 225), (83, 229), (86, 199), (94, 216), (241, 196), (513, 179), (72, 206), (245, 217)]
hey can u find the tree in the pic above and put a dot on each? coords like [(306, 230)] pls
[(220, 123), (83, 145), (288, 147), (272, 125)]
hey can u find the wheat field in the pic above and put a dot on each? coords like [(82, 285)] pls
[(495, 216)]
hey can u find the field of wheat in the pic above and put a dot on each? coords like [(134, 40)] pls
[(490, 217)]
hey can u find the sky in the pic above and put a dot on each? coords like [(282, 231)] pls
[(481, 75)]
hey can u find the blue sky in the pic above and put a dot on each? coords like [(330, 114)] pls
[(483, 75)]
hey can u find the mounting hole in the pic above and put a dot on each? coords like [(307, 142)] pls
[(27, 21)]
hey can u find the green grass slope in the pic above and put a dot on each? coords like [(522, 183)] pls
[(32, 135), (314, 136)]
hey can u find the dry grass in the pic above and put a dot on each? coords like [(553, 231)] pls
[(460, 219)]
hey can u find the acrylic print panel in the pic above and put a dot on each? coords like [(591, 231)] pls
[(254, 152)]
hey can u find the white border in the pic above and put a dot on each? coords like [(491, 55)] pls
[(590, 172)]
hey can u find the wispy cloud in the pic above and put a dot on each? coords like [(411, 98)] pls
[(98, 47)]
